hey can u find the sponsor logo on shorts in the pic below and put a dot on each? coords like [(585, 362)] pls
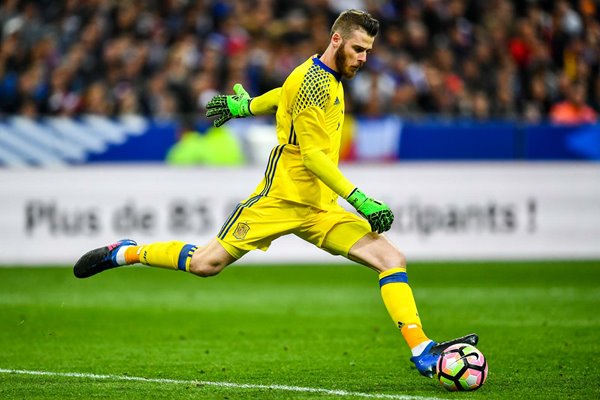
[(241, 230)]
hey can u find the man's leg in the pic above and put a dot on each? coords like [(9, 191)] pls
[(351, 237), (341, 232), (171, 255), (378, 253), (205, 261)]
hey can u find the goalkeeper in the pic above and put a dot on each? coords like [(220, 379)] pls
[(300, 188)]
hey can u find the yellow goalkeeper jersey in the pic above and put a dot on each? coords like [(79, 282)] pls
[(310, 116)]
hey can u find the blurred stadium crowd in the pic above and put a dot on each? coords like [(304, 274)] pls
[(529, 60)]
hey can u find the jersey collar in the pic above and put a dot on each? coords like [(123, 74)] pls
[(318, 62)]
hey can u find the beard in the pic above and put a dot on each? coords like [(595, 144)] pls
[(341, 59)]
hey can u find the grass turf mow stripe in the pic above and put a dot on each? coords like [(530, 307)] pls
[(231, 385)]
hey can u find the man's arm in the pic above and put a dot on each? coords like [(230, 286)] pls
[(241, 105), (309, 128), (265, 103)]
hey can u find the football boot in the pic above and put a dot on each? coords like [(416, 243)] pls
[(426, 361), (100, 259)]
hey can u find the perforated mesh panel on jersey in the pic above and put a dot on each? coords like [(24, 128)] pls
[(314, 90)]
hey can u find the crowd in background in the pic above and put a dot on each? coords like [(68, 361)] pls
[(528, 60)]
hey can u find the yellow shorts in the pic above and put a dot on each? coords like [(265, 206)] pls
[(259, 220)]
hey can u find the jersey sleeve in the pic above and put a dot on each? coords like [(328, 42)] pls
[(266, 103), (329, 173)]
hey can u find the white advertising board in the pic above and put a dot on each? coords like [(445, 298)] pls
[(443, 211)]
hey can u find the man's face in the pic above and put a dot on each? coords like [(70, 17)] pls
[(352, 53)]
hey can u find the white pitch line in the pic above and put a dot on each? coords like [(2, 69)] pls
[(331, 392)]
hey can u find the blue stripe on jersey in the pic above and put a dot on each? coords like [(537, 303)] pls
[(272, 166), (269, 167), (270, 183), (292, 138), (228, 219), (269, 174), (252, 201), (231, 221), (398, 277), (236, 214), (185, 252)]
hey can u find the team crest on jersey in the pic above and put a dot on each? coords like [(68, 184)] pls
[(241, 230)]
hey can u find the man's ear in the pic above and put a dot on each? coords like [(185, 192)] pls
[(336, 40)]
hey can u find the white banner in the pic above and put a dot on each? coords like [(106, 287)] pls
[(443, 211)]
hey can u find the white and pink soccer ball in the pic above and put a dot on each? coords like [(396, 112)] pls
[(462, 367)]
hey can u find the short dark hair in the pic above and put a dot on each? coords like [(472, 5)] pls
[(351, 20)]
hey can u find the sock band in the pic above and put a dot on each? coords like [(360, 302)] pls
[(186, 254), (395, 275)]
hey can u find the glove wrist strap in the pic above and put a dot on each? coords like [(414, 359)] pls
[(356, 198), (245, 109)]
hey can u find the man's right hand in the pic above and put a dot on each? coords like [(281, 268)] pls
[(226, 107)]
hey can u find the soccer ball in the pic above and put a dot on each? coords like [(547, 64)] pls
[(462, 367)]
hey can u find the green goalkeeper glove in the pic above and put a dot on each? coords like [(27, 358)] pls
[(229, 106), (378, 214)]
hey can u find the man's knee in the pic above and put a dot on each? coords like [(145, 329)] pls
[(378, 253), (210, 260), (399, 260), (393, 259), (205, 270)]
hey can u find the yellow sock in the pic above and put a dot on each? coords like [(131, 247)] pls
[(172, 255), (400, 303)]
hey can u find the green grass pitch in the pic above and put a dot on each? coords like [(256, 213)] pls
[(321, 332)]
